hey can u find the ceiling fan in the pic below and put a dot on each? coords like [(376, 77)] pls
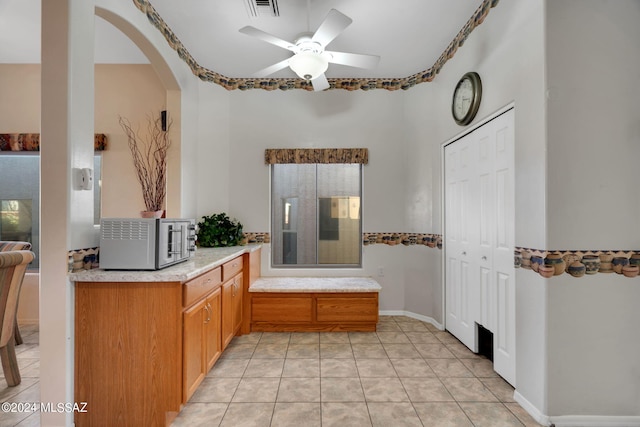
[(310, 59)]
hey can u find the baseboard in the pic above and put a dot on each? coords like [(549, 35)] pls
[(413, 316), (576, 420), (595, 421), (535, 413)]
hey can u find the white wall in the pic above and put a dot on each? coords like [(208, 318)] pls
[(593, 203)]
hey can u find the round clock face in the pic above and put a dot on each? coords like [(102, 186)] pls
[(466, 98)]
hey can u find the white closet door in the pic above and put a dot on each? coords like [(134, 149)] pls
[(461, 253), (504, 333), (479, 239)]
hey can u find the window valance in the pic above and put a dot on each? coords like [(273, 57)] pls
[(316, 155), (31, 142)]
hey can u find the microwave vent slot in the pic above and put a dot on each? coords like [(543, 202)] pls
[(124, 230)]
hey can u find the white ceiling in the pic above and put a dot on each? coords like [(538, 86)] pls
[(409, 35)]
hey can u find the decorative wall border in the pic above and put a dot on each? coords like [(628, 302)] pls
[(578, 263), (232, 83), (316, 155), (31, 142), (406, 239)]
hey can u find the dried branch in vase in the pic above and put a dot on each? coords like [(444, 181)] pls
[(149, 155)]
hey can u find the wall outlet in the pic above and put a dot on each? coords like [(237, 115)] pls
[(380, 271)]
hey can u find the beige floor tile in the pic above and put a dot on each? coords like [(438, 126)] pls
[(481, 367), (270, 351), (438, 414), (381, 368), (341, 390), (334, 338), (264, 368), (32, 420), (7, 394), (296, 414), (468, 390), (393, 337), (251, 338), (490, 414), (412, 368), (412, 327), (384, 390), (215, 390), (338, 368), (369, 351), (363, 338), (275, 338), (229, 368), (304, 338), (434, 351), (500, 388), (393, 414), (303, 351), (390, 327), (336, 351), (401, 351), (422, 338), (248, 415), (263, 390), (449, 368), (336, 414), (301, 368), (200, 415), (445, 337), (426, 390), (461, 351), (299, 390), (240, 351), (522, 415)]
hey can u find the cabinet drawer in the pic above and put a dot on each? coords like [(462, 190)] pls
[(274, 309), (231, 268), (354, 309), (197, 288)]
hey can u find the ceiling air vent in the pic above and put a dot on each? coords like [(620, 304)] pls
[(262, 8)]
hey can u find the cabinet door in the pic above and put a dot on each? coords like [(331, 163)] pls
[(194, 366), (237, 303), (212, 329), (227, 313)]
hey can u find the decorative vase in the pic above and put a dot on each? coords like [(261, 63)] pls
[(618, 263), (605, 263), (591, 263), (557, 262), (517, 259), (547, 270), (576, 269), (152, 214), (630, 270), (536, 262)]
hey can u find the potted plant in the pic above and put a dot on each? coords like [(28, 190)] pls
[(219, 230), (149, 153)]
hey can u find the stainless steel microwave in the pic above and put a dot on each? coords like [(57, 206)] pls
[(145, 244)]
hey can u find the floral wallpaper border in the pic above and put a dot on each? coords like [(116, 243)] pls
[(31, 142), (231, 83)]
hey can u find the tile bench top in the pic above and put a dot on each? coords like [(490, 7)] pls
[(315, 284)]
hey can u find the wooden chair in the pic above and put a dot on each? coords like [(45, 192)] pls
[(15, 246), (13, 265)]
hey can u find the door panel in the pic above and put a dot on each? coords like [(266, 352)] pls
[(479, 238)]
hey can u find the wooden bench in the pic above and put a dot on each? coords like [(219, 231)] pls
[(304, 304)]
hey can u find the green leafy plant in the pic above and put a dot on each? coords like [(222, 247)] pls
[(219, 230)]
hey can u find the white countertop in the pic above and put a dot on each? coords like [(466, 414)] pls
[(315, 284), (204, 260)]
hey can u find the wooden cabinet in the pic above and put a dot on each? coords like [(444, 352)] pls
[(232, 300), (201, 341), (142, 348), (291, 311)]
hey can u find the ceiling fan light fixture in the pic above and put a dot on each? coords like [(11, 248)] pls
[(309, 65)]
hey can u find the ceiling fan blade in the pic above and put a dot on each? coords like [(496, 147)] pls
[(272, 69), (333, 24), (320, 83), (354, 59), (254, 32)]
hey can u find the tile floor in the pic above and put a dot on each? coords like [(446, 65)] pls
[(408, 373)]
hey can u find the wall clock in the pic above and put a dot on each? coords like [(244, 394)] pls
[(466, 98)]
